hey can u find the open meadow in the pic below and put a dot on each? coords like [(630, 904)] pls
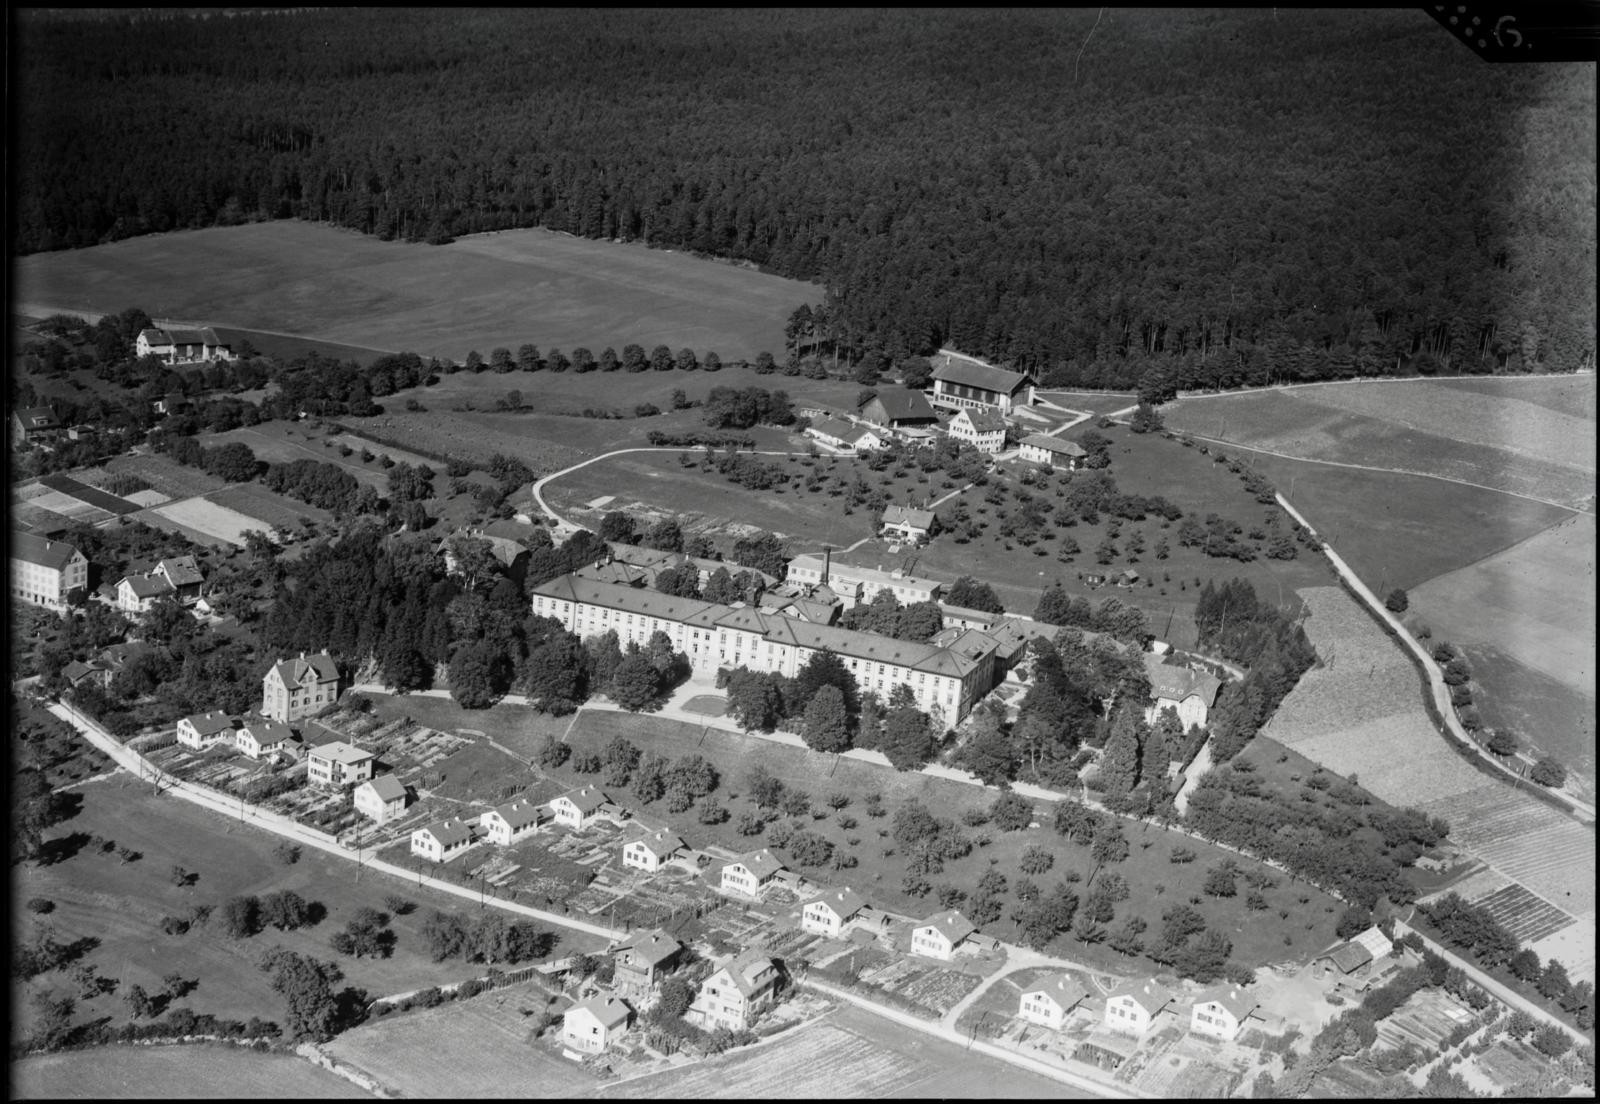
[(849, 1054), (120, 904), (1493, 438), (459, 415), (202, 1072), (479, 292), (467, 1049), (1154, 880), (1526, 616)]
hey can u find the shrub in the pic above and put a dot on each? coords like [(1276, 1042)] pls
[(41, 905), (1182, 855), (1548, 772)]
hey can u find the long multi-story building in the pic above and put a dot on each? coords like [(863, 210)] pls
[(45, 572), (861, 584), (949, 678)]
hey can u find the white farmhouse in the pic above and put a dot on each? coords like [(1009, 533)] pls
[(941, 934), (261, 739), (203, 730), (1191, 693), (506, 824), (1221, 1012), (984, 430), (380, 799), (1132, 1007), (443, 841), (736, 994), (339, 764), (591, 1025), (579, 808), (749, 874)]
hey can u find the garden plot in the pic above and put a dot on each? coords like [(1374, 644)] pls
[(29, 516), (1424, 1019), (1509, 1062), (147, 498), (1193, 1068), (932, 990), (271, 511), (58, 502)]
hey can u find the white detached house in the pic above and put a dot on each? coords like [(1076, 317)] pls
[(828, 914), (736, 994), (203, 730), (380, 799), (506, 824), (443, 841), (1220, 1012), (750, 874), (339, 764), (579, 808), (261, 739), (651, 851), (984, 430), (941, 934), (1051, 1004), (296, 688), (591, 1025), (1132, 1007)]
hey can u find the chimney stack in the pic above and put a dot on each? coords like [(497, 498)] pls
[(827, 563)]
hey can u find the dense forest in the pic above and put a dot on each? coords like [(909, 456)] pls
[(1179, 198)]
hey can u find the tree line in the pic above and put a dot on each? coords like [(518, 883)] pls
[(1102, 234)]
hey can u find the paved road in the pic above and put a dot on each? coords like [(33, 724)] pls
[(1437, 687)]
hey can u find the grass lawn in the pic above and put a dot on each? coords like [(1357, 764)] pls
[(121, 905), (286, 347), (1156, 883), (283, 442), (482, 291), (515, 726)]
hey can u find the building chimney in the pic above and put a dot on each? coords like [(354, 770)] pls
[(827, 563)]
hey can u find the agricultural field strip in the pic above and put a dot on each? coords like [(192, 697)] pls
[(1540, 848), (167, 476), (277, 511), (282, 448), (208, 517)]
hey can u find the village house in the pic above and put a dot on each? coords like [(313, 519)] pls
[(296, 688), (940, 935), (46, 572), (263, 739), (508, 541), (948, 679), (963, 383), (1051, 1003), (749, 874), (137, 593), (203, 730), (1189, 692), (641, 961), (33, 425), (177, 577), (338, 764), (653, 561), (828, 914), (1132, 1007), (1051, 451), (506, 824), (443, 841), (651, 850), (182, 346), (114, 658), (984, 430), (579, 808), (1221, 1012), (380, 799), (898, 408), (79, 672), (846, 436), (591, 1025), (736, 993), (907, 524)]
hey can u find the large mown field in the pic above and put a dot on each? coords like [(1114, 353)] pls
[(174, 1073), (1526, 618), (480, 292), (850, 1054), (1497, 438), (121, 904)]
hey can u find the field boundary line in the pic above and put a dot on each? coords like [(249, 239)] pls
[(1383, 471)]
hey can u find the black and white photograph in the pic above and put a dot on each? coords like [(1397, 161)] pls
[(802, 553)]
